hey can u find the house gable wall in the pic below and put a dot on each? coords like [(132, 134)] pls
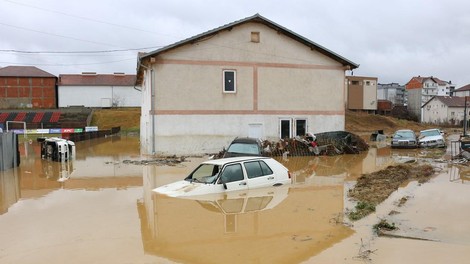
[(190, 77), (276, 79)]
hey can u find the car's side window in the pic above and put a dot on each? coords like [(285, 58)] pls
[(266, 169), (257, 169), (232, 173)]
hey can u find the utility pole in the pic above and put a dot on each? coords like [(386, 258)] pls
[(465, 118)]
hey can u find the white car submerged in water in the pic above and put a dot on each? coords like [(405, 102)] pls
[(229, 174), (432, 138)]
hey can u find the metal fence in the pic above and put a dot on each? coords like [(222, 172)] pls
[(9, 152)]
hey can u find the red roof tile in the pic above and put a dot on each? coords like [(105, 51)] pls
[(91, 79), (24, 71), (434, 79)]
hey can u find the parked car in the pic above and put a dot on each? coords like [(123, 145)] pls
[(244, 147), (229, 174), (432, 138), (404, 138)]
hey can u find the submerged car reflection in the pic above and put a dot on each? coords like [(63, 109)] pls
[(229, 174), (404, 138), (245, 201), (432, 138)]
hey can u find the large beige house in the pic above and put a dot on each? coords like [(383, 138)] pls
[(251, 77)]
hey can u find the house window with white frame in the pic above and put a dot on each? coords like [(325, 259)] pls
[(300, 127), (230, 81), (285, 128)]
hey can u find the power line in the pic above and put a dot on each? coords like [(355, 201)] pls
[(62, 65), (55, 35), (76, 52), (86, 18)]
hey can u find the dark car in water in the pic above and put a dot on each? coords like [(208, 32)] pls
[(404, 138), (244, 147)]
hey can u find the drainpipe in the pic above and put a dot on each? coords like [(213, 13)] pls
[(152, 107), (152, 102)]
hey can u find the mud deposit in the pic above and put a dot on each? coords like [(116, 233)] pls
[(100, 208)]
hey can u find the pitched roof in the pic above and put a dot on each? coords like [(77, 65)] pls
[(463, 88), (93, 79), (450, 101), (257, 18), (434, 79), (24, 71)]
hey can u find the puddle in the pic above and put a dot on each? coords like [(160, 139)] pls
[(99, 209)]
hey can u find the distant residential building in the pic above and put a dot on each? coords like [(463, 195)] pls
[(463, 91), (361, 93), (392, 92), (422, 89), (98, 90), (27, 87), (444, 110)]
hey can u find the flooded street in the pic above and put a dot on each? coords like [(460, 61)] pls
[(101, 209)]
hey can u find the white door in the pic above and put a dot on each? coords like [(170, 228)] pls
[(255, 130), (234, 178), (259, 174)]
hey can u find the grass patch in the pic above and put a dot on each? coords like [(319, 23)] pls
[(362, 209), (126, 118), (384, 225)]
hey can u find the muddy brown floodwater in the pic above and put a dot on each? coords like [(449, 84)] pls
[(100, 208)]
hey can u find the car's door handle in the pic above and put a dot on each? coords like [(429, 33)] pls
[(242, 183), (271, 178)]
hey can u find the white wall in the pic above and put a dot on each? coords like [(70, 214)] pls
[(94, 96), (201, 134)]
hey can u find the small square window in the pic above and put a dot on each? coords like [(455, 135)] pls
[(230, 81), (255, 37)]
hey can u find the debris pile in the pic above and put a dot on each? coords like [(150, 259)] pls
[(160, 161), (327, 143)]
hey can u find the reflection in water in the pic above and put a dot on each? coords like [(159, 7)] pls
[(9, 189), (98, 159), (257, 226)]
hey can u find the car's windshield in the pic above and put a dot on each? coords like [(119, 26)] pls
[(244, 148), (404, 134), (205, 173), (428, 133)]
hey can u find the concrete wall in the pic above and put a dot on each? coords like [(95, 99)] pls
[(361, 93), (414, 102), (99, 96), (276, 78)]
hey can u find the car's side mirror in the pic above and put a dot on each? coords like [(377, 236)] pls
[(225, 185)]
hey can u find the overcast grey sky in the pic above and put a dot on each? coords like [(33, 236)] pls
[(391, 40)]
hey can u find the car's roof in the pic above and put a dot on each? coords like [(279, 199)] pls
[(405, 130), (233, 159), (245, 140), (431, 129)]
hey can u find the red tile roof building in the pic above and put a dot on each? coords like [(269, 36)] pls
[(27, 87)]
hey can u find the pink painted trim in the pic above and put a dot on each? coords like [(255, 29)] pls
[(249, 64), (243, 112)]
